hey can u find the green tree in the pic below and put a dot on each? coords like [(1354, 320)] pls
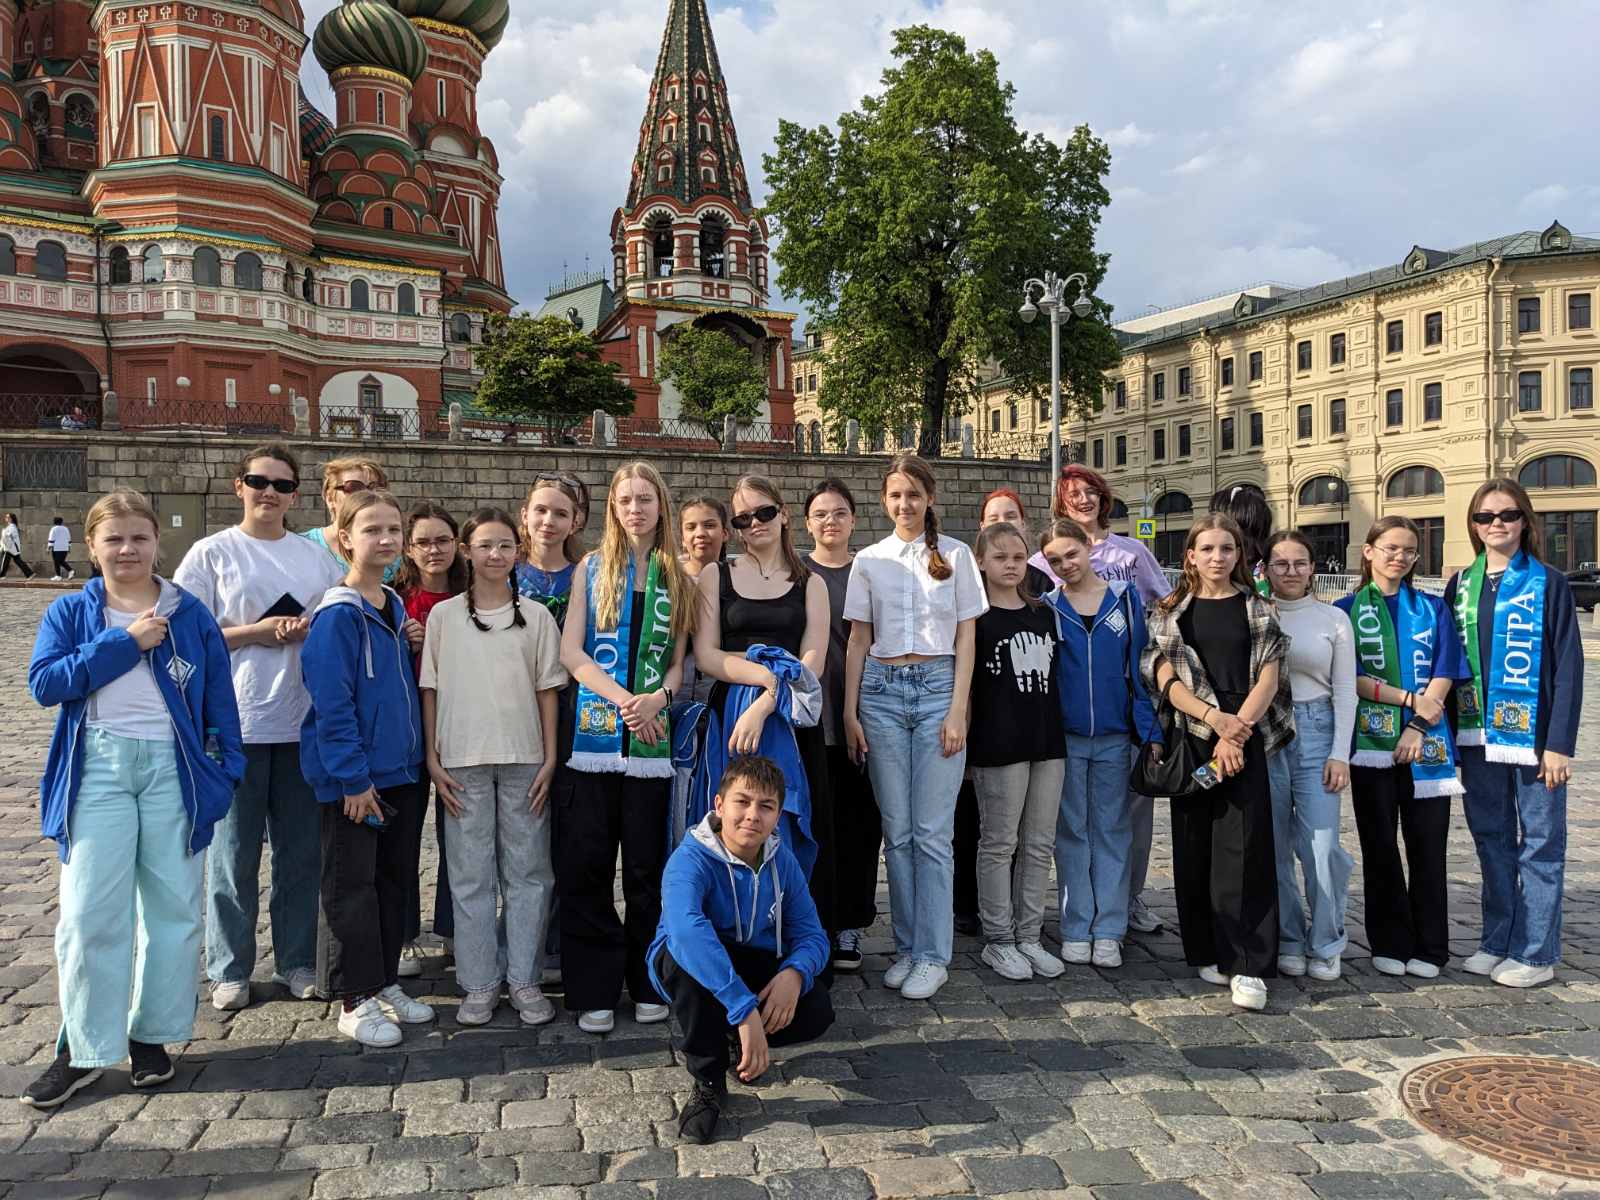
[(910, 231), (715, 374), (546, 371)]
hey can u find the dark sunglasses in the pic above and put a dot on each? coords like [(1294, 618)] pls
[(766, 514), (260, 483), (562, 481), (352, 486), (1506, 516)]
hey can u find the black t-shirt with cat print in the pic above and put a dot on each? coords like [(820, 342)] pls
[(1016, 712)]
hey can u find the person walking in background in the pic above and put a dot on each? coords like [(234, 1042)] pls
[(1309, 772), (1517, 726), (11, 547), (261, 583), (59, 539), (341, 479)]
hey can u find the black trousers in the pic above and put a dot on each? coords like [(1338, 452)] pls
[(60, 559), (601, 814), (857, 841), (1225, 872), (367, 875), (443, 911), (964, 847), (7, 558), (813, 746), (1406, 918), (700, 1029)]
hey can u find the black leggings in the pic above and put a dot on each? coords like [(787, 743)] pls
[(858, 842), (1406, 918)]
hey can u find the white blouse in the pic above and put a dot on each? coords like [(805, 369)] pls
[(911, 612)]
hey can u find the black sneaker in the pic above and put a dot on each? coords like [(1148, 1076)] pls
[(698, 1122), (847, 950), (150, 1064), (57, 1084)]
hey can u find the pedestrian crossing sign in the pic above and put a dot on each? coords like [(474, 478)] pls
[(1144, 529)]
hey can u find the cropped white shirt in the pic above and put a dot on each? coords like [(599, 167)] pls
[(911, 612)]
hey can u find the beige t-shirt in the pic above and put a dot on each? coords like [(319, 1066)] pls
[(485, 683)]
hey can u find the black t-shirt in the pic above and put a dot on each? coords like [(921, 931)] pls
[(1219, 632), (837, 580), (1016, 715)]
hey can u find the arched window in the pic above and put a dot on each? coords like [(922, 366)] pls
[(713, 233), (121, 267), (461, 328), (308, 287), (360, 301), (1172, 503), (207, 267), (155, 268), (1119, 510), (1557, 471), (388, 217), (406, 300), (661, 246), (50, 260), (1410, 482), (8, 256), (217, 139), (799, 439), (1324, 489), (816, 437), (247, 272)]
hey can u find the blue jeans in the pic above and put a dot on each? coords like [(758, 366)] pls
[(902, 710), (1094, 839), (1305, 825), (130, 876), (1521, 833), (273, 794)]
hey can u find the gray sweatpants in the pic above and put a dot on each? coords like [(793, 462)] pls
[(1016, 804)]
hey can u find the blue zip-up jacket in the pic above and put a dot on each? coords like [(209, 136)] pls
[(1097, 673), (76, 654), (710, 897), (365, 725)]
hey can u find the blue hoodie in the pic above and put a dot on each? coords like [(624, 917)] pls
[(1097, 674), (364, 729), (710, 897), (76, 654)]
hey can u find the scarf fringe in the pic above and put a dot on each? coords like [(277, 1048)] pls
[(648, 768), (596, 763), (1425, 788), (1469, 737), (1372, 758), (1520, 755)]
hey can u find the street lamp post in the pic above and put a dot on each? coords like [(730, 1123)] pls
[(1050, 294)]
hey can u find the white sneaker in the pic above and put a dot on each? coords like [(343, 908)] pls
[(1248, 992), (1293, 965), (1006, 961), (410, 961), (651, 1014), (1388, 966), (597, 1020), (478, 1007), (1421, 969), (368, 1025), (55, 579), (71, 573), (226, 997), (301, 982), (924, 981), (1212, 975), (1325, 969), (1141, 919), (532, 1004), (401, 1008), (1481, 963), (895, 977), (1044, 964), (1511, 973), (1077, 952), (1107, 953)]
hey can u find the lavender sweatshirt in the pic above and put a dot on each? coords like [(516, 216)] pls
[(1120, 557)]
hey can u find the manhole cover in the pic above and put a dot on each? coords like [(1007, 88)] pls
[(1539, 1113)]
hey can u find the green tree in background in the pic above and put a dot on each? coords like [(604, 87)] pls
[(715, 374), (909, 232), (546, 371)]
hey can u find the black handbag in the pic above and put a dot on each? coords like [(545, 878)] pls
[(1173, 773)]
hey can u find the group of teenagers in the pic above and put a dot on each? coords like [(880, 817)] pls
[(745, 732)]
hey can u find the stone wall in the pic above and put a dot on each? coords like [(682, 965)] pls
[(34, 470)]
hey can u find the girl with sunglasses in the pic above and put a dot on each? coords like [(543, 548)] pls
[(1403, 773), (341, 479), (1517, 726), (262, 584)]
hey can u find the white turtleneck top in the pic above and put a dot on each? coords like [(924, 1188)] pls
[(1322, 662)]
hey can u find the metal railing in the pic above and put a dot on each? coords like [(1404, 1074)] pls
[(266, 418), (49, 410), (1331, 587)]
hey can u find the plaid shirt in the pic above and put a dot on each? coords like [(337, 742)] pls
[(1268, 644)]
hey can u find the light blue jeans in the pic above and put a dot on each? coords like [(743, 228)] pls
[(130, 904), (273, 795), (902, 710), (1521, 833), (1094, 839), (1305, 825)]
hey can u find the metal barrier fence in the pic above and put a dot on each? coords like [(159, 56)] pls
[(1333, 587)]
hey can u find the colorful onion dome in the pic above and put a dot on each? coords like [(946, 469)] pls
[(485, 19), (316, 131), (369, 33)]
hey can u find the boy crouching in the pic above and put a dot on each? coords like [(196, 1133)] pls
[(739, 946)]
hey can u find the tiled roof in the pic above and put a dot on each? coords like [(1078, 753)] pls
[(592, 300)]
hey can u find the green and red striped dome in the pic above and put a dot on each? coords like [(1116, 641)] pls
[(369, 33), (486, 19)]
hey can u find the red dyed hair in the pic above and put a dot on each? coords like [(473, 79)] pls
[(1091, 479), (1009, 494)]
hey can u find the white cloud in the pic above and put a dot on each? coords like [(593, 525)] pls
[(1127, 136), (1194, 165)]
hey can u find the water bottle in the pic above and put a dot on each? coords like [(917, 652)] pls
[(213, 745)]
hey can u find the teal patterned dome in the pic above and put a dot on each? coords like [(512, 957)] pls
[(369, 33), (486, 19)]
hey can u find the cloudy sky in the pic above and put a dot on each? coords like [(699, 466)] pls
[(1251, 141)]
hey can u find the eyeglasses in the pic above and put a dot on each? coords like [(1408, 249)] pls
[(260, 483), (1506, 516), (1082, 495), (494, 547), (766, 514), (837, 515), (1279, 567), (351, 487), (438, 543), (1396, 552)]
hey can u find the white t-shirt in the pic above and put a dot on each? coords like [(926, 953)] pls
[(130, 705), (912, 612), (239, 578), (484, 683), (60, 538)]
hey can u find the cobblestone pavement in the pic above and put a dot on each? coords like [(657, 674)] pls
[(1135, 1083)]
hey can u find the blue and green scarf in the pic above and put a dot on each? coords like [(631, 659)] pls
[(1403, 659), (601, 742), (1501, 713)]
